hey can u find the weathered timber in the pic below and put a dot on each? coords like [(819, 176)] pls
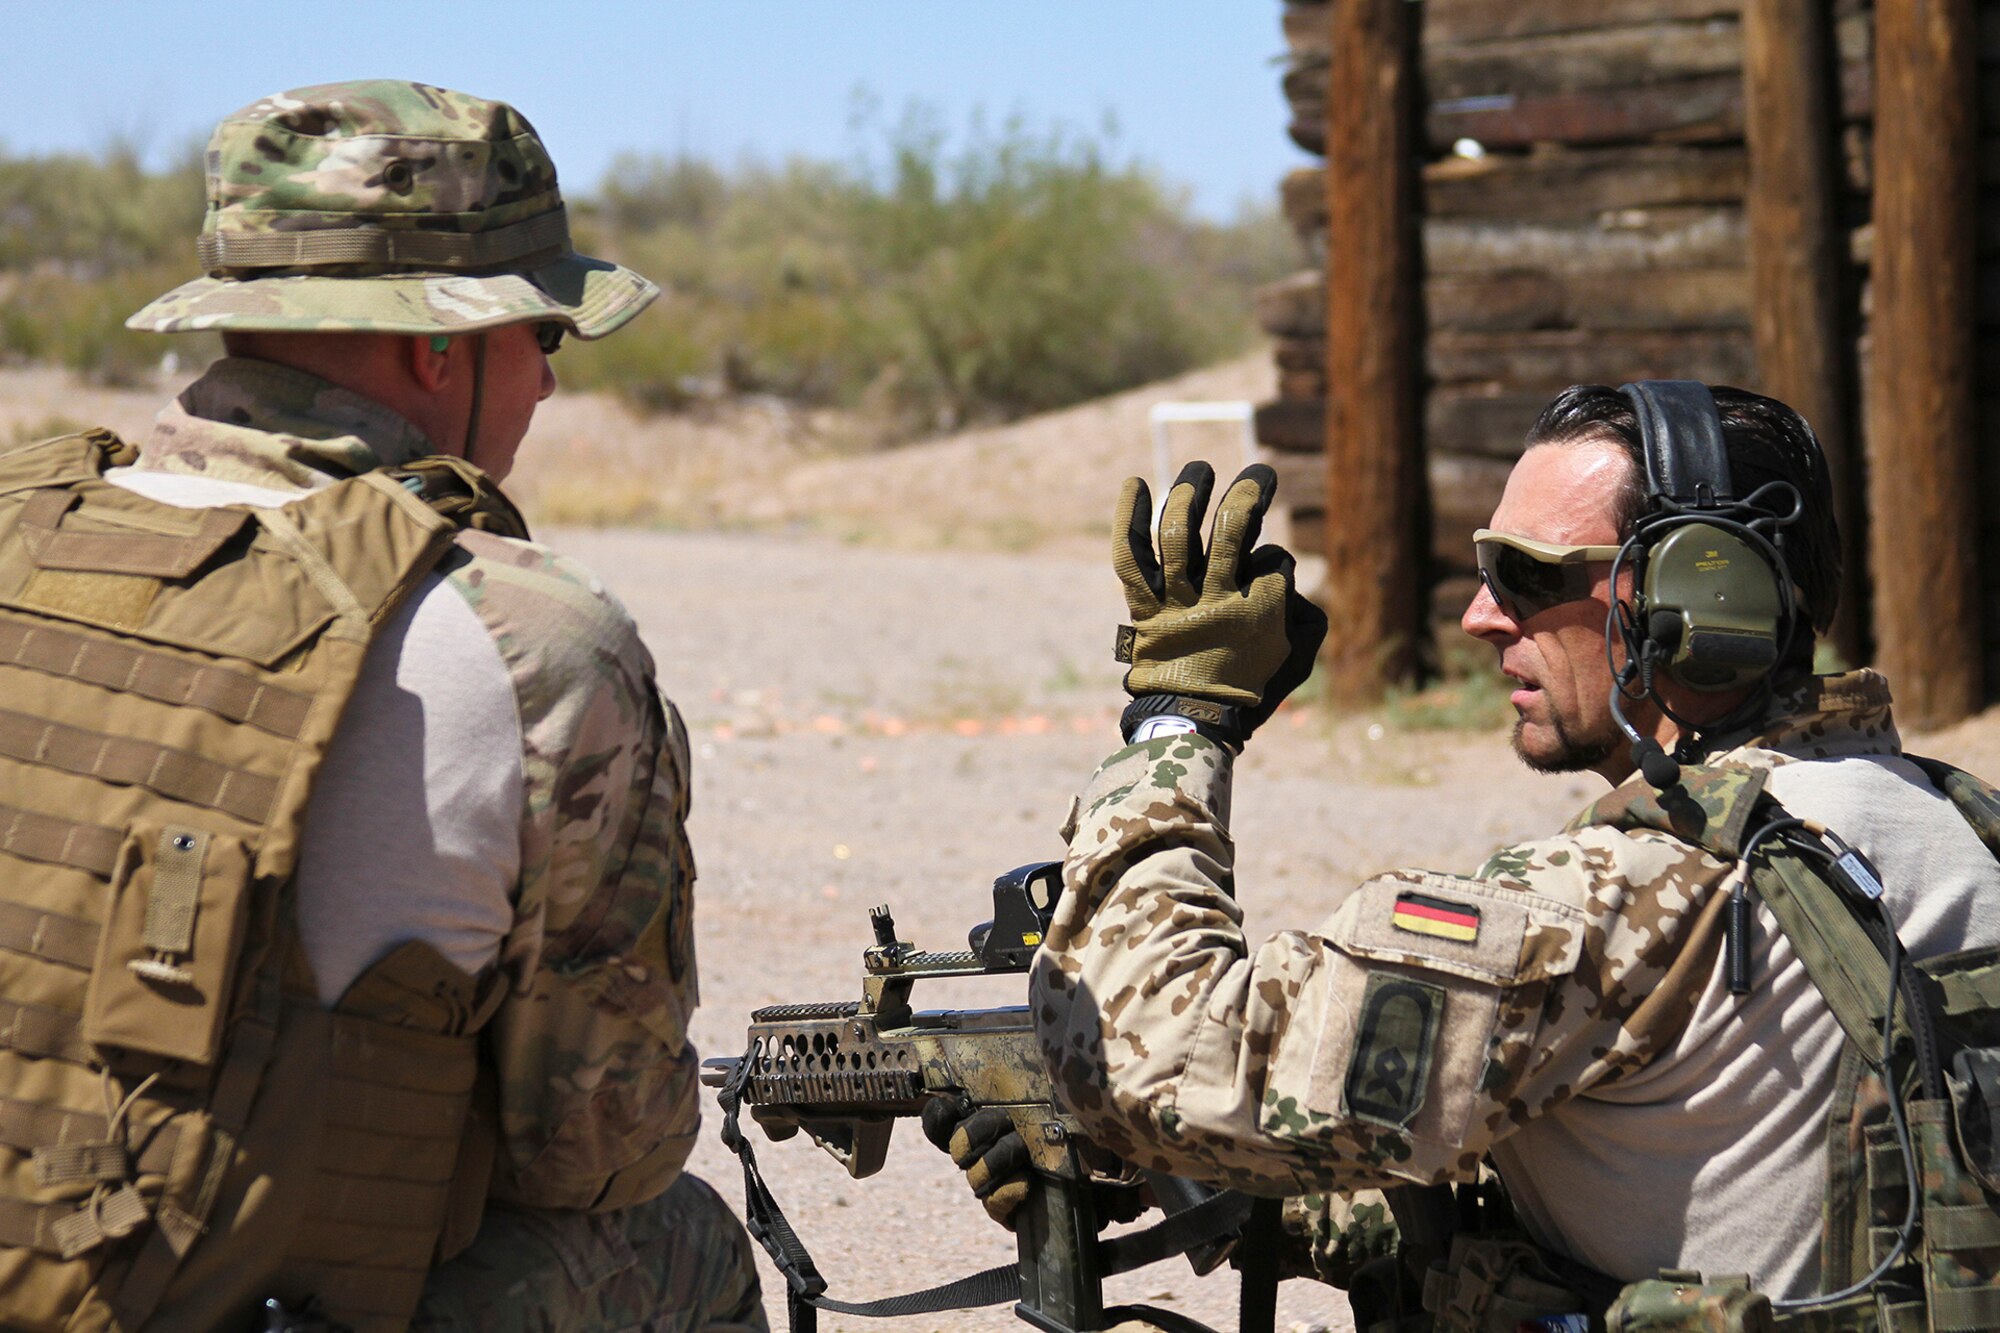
[(1488, 423), (1308, 532), (1293, 306), (1302, 199), (1308, 29), (1555, 358), (1663, 299), (1302, 385), (1798, 270), (1558, 184), (1708, 108), (1304, 86), (1374, 452), (1857, 158), (1300, 353), (1712, 237), (1450, 22), (1921, 425), (1464, 493), (1291, 426), (1449, 598), (1625, 58)]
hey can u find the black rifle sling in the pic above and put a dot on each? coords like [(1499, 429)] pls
[(1214, 1217)]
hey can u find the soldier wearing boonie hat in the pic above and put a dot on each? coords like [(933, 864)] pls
[(492, 860)]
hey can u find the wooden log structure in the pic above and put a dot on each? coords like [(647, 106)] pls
[(1798, 265), (1375, 587), (1921, 427), (1778, 194)]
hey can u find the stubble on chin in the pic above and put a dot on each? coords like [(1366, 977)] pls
[(1571, 755)]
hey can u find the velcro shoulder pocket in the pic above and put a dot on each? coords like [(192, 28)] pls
[(1417, 970)]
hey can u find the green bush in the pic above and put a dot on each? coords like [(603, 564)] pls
[(930, 285)]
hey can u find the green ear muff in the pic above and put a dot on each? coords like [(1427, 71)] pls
[(439, 342), (1711, 602)]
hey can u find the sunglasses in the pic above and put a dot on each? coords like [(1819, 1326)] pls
[(549, 336), (1527, 577)]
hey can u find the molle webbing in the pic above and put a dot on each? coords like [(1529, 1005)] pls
[(37, 1030), (63, 842), (156, 758), (50, 935), (127, 761), (151, 674)]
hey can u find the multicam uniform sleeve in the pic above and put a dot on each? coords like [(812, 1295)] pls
[(597, 1079), (1398, 1040)]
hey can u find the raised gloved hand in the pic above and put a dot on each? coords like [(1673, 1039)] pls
[(1218, 636), (985, 1145)]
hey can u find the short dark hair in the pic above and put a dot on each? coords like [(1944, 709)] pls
[(1766, 441)]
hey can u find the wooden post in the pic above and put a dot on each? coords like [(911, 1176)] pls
[(1798, 265), (1375, 545), (1922, 467)]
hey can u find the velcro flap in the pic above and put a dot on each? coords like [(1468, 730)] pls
[(1470, 928), (158, 555)]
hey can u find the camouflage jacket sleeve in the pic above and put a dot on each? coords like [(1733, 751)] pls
[(596, 1076), (1396, 1041)]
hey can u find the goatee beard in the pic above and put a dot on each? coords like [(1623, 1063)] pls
[(1571, 756)]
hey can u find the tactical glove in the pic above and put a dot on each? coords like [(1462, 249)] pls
[(985, 1145), (1218, 636)]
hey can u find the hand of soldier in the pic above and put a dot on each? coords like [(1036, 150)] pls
[(1218, 635), (985, 1145)]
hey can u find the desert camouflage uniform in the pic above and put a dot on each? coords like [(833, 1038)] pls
[(1362, 1053), (596, 1078)]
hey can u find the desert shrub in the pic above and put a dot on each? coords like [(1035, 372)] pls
[(931, 281)]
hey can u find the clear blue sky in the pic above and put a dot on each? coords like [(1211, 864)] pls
[(1191, 84)]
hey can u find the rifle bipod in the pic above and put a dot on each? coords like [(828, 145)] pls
[(1057, 1281)]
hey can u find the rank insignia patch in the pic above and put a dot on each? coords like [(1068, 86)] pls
[(1421, 914)]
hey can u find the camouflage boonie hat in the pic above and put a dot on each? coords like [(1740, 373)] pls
[(388, 207)]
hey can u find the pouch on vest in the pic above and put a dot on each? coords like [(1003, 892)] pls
[(1683, 1303), (167, 954)]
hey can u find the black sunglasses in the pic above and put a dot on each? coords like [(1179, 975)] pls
[(1527, 577), (549, 336)]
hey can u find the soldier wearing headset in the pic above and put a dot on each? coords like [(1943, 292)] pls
[(1611, 1020)]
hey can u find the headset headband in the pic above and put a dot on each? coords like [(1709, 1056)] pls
[(1680, 432)]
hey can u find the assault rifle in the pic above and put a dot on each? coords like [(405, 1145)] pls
[(845, 1072)]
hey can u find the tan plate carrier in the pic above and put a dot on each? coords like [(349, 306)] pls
[(184, 1129)]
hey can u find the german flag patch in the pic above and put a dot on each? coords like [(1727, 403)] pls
[(1421, 914)]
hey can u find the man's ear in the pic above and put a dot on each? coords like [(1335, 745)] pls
[(430, 360)]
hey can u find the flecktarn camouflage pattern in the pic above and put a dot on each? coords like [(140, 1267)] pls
[(382, 206)]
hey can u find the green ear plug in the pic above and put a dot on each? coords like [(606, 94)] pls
[(439, 342)]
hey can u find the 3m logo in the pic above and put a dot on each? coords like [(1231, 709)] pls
[(1393, 1047)]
